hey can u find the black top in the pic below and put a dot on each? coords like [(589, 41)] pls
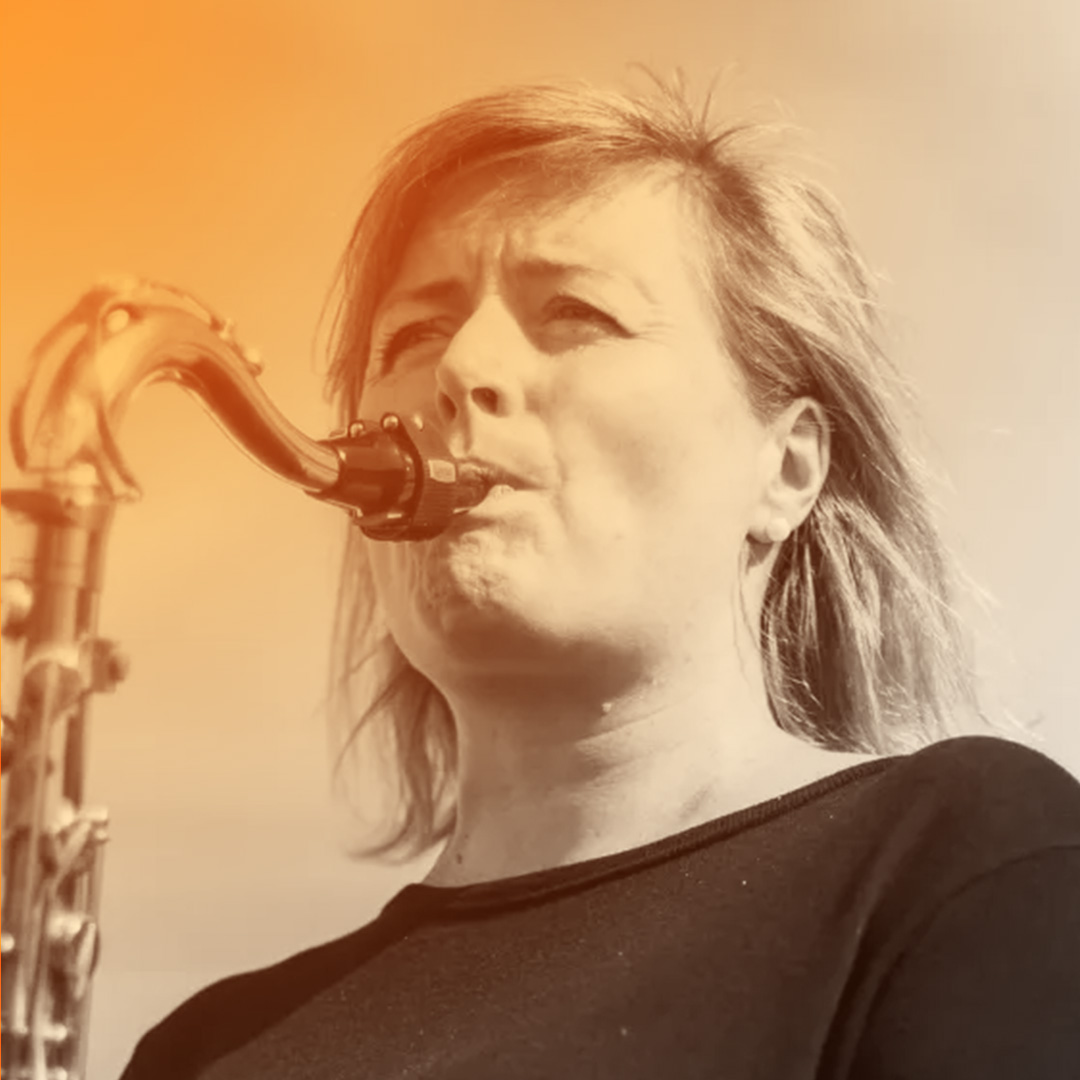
[(913, 917)]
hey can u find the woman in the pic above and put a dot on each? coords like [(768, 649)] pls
[(653, 691)]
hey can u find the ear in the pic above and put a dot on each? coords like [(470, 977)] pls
[(795, 463)]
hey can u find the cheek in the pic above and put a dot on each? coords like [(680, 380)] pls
[(663, 438), (407, 392)]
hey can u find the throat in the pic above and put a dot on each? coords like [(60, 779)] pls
[(615, 795)]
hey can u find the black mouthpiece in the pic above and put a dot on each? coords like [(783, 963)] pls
[(400, 480)]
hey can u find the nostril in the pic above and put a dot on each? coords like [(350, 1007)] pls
[(486, 399)]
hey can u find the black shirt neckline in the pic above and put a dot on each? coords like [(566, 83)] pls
[(422, 900)]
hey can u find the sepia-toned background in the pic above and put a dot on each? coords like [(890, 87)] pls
[(224, 146)]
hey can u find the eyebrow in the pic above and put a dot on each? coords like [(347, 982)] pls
[(454, 291), (450, 289), (539, 268)]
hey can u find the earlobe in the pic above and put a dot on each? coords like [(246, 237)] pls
[(777, 530), (798, 464)]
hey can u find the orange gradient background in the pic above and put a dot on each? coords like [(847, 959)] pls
[(224, 147)]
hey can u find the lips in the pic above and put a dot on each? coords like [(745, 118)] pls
[(484, 484), (493, 475)]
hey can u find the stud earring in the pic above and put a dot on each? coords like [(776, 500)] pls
[(777, 530)]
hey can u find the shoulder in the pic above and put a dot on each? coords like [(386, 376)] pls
[(974, 800), (979, 755), (228, 1013), (1012, 793), (975, 965), (925, 828)]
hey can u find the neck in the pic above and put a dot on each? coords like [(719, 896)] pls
[(551, 772)]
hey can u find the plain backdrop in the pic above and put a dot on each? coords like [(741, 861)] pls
[(225, 147)]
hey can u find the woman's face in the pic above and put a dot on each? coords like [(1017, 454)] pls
[(572, 348)]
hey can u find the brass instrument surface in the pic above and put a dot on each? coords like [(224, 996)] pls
[(395, 477), (65, 429)]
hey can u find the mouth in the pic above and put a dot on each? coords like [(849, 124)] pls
[(486, 475), (485, 483)]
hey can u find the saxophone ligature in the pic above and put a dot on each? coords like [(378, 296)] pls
[(395, 476)]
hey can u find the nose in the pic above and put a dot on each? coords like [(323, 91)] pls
[(482, 371)]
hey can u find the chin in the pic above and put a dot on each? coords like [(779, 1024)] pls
[(464, 588), (478, 617), (474, 598)]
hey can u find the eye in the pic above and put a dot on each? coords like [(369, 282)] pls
[(568, 323), (572, 309), (406, 338)]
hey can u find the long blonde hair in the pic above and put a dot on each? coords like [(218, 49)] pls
[(861, 646)]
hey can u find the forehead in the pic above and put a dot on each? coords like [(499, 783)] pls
[(644, 227)]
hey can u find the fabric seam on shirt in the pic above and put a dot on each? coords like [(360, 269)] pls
[(465, 900)]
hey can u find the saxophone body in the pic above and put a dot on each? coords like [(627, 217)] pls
[(394, 476)]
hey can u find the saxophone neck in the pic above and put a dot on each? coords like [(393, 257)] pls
[(396, 476), (119, 337)]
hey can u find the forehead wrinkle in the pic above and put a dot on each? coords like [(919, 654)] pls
[(539, 237)]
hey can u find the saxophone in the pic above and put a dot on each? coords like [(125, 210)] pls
[(395, 477)]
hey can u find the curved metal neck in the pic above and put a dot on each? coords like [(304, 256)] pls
[(125, 335)]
